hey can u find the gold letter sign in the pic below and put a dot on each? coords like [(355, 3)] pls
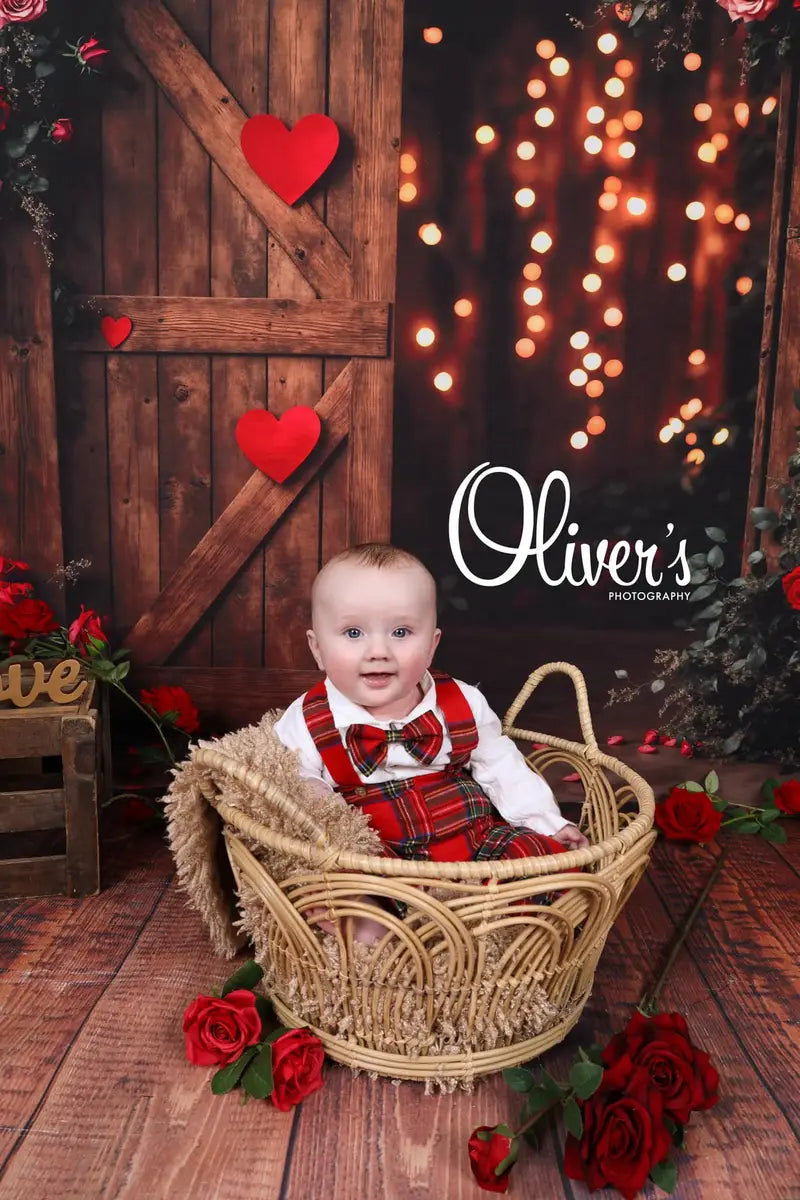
[(62, 685)]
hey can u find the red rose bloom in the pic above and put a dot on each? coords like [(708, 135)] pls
[(624, 1135), (485, 1154), (168, 699), (11, 564), (677, 1069), (297, 1058), (5, 113), (688, 816), (26, 618), (85, 626), (787, 797), (11, 592), (90, 52), (61, 130), (791, 586), (21, 10), (219, 1030)]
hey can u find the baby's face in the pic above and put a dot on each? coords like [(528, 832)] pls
[(375, 634)]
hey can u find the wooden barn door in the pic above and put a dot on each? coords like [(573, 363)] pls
[(238, 301)]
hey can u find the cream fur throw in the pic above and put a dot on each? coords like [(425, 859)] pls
[(194, 829)]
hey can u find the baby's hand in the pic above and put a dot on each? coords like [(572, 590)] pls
[(571, 836)]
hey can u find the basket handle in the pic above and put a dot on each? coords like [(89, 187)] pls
[(253, 779), (533, 681)]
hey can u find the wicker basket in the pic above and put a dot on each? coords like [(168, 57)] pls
[(437, 959)]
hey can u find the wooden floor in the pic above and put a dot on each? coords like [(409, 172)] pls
[(99, 1101)]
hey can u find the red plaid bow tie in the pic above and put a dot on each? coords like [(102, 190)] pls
[(369, 745)]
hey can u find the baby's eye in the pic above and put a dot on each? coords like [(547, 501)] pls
[(401, 631), (352, 634)]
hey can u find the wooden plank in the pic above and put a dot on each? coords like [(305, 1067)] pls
[(153, 1127), (129, 247), (233, 537), (297, 79), (238, 269), (81, 383), (40, 808), (746, 947), (197, 324), (184, 379), (42, 876), (334, 500), (30, 497), (58, 959), (378, 54), (30, 736), (785, 159), (81, 805), (229, 697), (216, 119)]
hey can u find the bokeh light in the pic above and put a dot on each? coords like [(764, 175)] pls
[(443, 381), (536, 323), (525, 348), (707, 152), (595, 114), (613, 368), (636, 206), (545, 48), (425, 336), (408, 164), (485, 135), (612, 317), (702, 112), (532, 271), (596, 425), (595, 388), (432, 35), (407, 192), (626, 149), (605, 253), (544, 117), (632, 120), (526, 151), (695, 210), (744, 284), (463, 307), (607, 43), (724, 214), (579, 440), (593, 144), (608, 201), (578, 377), (676, 272), (692, 62), (536, 88), (696, 357), (559, 66), (742, 221), (541, 242), (579, 339), (720, 436), (430, 233), (592, 360), (591, 282), (525, 197), (533, 296)]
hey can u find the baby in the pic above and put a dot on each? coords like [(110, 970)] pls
[(423, 755)]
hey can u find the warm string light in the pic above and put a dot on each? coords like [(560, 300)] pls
[(463, 307), (579, 440), (533, 296), (545, 48), (596, 425), (525, 197), (697, 357), (579, 339), (432, 35), (613, 368), (607, 43), (743, 284), (595, 388), (425, 336), (407, 192), (676, 272), (430, 233), (544, 117), (485, 135), (536, 88), (443, 381), (526, 151), (592, 360), (525, 348)]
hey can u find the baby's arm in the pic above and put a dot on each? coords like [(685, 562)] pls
[(520, 795)]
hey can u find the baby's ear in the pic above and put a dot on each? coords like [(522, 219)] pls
[(437, 633), (314, 647)]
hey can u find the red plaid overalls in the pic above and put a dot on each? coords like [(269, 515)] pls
[(444, 815)]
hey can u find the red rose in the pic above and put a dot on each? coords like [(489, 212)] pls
[(297, 1058), (787, 797), (168, 699), (90, 51), (5, 113), (61, 130), (791, 586), (25, 618), (21, 10), (651, 737), (219, 1030), (688, 816), (11, 564), (85, 626), (486, 1154), (624, 1135), (10, 592), (677, 1069), (686, 749)]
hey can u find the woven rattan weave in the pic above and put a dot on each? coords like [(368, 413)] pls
[(451, 990)]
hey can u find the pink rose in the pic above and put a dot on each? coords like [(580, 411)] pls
[(748, 10), (61, 130), (21, 10)]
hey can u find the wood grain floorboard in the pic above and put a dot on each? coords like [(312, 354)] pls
[(59, 957), (127, 1116)]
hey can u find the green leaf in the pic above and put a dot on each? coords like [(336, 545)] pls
[(715, 557), (247, 976), (621, 674), (263, 1008), (763, 518), (15, 147), (719, 804), (585, 1079), (774, 833), (716, 534), (732, 744), (227, 1078), (768, 815), (510, 1158), (768, 790), (519, 1079), (711, 783), (748, 826), (756, 557), (697, 560), (665, 1175), (691, 786), (43, 69), (536, 1101), (277, 1033), (29, 132), (573, 1121), (702, 593), (756, 658), (554, 1089), (257, 1079)]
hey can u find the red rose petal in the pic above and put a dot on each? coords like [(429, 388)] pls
[(669, 741), (651, 737), (573, 778), (540, 746), (647, 748), (616, 739), (686, 750)]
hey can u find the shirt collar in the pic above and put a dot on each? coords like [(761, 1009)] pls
[(345, 712)]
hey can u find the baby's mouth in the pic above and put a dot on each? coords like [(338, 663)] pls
[(376, 678)]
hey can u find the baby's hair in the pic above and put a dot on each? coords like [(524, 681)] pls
[(375, 554)]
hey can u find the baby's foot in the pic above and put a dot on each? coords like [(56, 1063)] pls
[(366, 930)]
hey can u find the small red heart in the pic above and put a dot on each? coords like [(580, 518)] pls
[(278, 446), (116, 330), (289, 161)]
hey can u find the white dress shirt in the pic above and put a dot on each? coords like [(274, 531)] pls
[(520, 795)]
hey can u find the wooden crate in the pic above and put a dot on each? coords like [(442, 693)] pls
[(40, 796)]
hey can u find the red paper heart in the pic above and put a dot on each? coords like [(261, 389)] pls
[(116, 330), (278, 446), (289, 161)]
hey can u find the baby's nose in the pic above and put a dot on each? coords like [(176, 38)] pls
[(378, 647)]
